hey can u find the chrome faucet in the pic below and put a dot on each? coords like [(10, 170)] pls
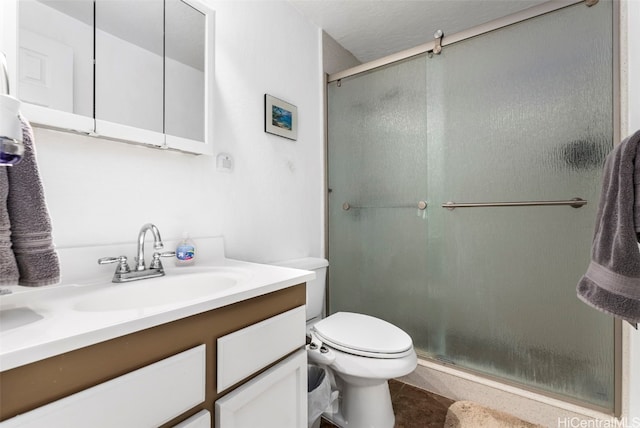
[(125, 274), (157, 243)]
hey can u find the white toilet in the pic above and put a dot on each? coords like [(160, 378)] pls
[(362, 353)]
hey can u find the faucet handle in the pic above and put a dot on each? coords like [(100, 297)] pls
[(155, 261), (123, 266)]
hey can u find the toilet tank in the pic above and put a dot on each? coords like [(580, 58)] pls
[(315, 287)]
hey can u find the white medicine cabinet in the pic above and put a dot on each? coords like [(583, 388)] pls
[(137, 71)]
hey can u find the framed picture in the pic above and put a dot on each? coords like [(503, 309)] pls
[(280, 118)]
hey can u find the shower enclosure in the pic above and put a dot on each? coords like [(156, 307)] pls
[(522, 118)]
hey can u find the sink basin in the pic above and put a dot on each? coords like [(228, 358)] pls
[(21, 306), (166, 290), (11, 318)]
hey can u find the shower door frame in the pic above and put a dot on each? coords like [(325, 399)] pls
[(428, 48)]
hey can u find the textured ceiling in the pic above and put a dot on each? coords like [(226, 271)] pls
[(371, 29)]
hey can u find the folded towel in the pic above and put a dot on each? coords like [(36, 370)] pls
[(612, 281), (8, 268), (31, 237)]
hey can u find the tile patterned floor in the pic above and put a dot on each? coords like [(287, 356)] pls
[(414, 407)]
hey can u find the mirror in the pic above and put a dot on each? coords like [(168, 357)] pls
[(184, 70), (137, 71), (129, 63), (55, 55)]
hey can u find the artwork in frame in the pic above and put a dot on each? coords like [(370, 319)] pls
[(280, 118)]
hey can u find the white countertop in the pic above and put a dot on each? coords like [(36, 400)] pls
[(37, 323)]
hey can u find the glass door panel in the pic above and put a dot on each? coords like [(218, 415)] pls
[(377, 164), (520, 114)]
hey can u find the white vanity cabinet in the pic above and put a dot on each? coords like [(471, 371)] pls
[(167, 376)]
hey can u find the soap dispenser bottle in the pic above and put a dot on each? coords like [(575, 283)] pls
[(186, 251)]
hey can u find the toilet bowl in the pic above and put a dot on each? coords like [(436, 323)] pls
[(361, 353)]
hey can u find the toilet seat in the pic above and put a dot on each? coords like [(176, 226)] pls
[(363, 335)]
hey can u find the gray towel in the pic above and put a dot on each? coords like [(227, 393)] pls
[(612, 281), (8, 267), (31, 237)]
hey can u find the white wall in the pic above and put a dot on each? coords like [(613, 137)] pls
[(268, 208), (633, 124), (634, 378), (335, 57)]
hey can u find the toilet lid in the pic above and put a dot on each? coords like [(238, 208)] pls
[(363, 335)]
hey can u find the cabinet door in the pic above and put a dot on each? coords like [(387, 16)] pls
[(147, 397), (276, 398), (129, 72), (49, 47), (188, 76)]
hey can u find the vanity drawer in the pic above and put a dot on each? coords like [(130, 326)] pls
[(246, 351), (199, 420), (146, 397)]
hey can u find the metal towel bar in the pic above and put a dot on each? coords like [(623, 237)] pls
[(575, 203), (421, 205)]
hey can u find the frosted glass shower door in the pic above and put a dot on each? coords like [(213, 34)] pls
[(523, 113), (520, 114), (377, 160)]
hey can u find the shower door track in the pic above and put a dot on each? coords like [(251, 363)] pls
[(505, 21)]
